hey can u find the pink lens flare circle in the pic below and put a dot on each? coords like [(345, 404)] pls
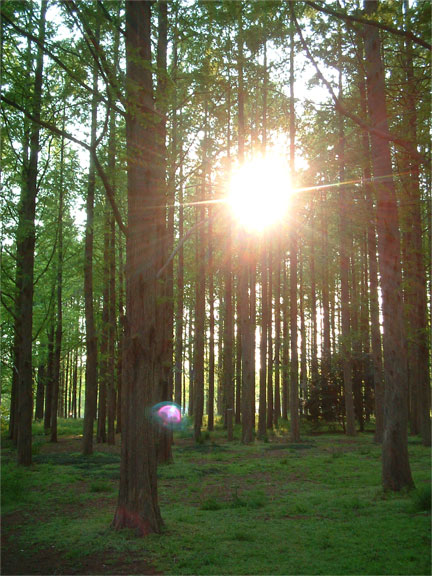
[(168, 414)]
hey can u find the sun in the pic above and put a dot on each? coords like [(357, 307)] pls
[(259, 192)]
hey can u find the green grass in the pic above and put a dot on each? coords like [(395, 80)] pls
[(315, 507)]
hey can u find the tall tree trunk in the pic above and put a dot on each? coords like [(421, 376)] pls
[(211, 367), (228, 339), (111, 361), (49, 376), (326, 339), (247, 338), (396, 468), (80, 387), (179, 311), (26, 237), (119, 367), (415, 266), (294, 399), (91, 336), (377, 366), (345, 236), (277, 285), (13, 419), (228, 309), (263, 343), (238, 360), (176, 154), (75, 386), (166, 234), (101, 435), (285, 352), (40, 392), (270, 397), (138, 506), (303, 347), (356, 344), (59, 326), (313, 304), (199, 326)]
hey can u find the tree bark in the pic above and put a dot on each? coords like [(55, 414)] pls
[(26, 236), (40, 393), (415, 273), (269, 303), (59, 326), (211, 367), (294, 399), (199, 327), (345, 236), (376, 349), (396, 472), (138, 506), (111, 361), (49, 376), (263, 343), (91, 336)]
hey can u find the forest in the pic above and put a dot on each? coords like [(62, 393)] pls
[(216, 279)]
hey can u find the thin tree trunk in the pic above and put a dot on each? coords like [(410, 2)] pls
[(228, 339), (238, 361), (75, 386), (80, 388), (101, 435), (111, 320), (199, 327), (294, 399), (120, 347), (59, 326), (303, 347), (373, 279), (285, 352), (269, 304), (356, 345), (313, 305), (91, 336), (277, 401), (211, 380), (49, 378), (263, 343), (345, 236), (165, 217), (40, 392)]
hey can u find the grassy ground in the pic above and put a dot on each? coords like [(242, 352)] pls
[(269, 508)]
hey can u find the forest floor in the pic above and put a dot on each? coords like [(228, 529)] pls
[(272, 507)]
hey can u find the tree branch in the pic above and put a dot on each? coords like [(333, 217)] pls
[(108, 188), (361, 20), (97, 51), (343, 110), (59, 62)]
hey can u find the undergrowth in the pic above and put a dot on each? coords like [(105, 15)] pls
[(314, 507)]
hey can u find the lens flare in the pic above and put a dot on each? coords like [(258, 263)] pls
[(167, 414), (259, 192)]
